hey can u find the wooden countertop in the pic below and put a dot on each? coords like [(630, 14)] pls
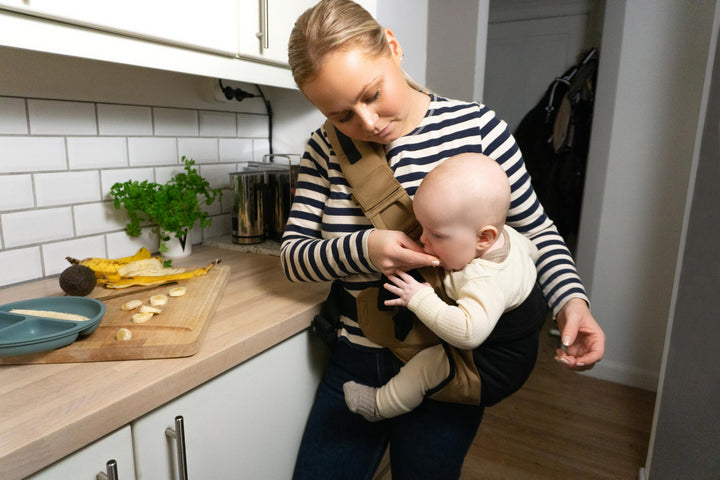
[(49, 411)]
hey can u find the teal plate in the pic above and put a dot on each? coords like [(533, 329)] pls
[(22, 334)]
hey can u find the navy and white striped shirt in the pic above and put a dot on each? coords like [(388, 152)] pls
[(326, 235)]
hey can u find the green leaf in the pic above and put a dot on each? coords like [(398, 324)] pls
[(173, 207)]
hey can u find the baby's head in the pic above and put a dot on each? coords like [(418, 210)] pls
[(462, 204)]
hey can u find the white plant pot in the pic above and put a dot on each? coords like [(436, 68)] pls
[(177, 248)]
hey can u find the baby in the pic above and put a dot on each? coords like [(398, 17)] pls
[(490, 269)]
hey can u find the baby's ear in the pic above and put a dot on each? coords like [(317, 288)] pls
[(487, 236)]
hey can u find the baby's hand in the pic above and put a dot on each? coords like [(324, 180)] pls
[(404, 286)]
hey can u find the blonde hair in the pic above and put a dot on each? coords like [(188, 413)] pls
[(329, 26)]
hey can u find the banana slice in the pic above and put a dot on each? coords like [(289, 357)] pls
[(123, 334), (141, 317), (158, 300), (149, 309), (177, 291), (131, 305)]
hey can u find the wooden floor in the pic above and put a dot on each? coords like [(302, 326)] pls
[(563, 425)]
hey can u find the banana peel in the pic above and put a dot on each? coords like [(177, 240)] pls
[(117, 281), (110, 266)]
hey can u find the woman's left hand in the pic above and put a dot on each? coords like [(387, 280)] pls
[(581, 335)]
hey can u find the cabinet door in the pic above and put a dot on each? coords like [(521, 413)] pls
[(87, 462), (265, 27), (209, 25), (246, 423)]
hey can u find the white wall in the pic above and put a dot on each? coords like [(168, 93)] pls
[(652, 68), (453, 38), (408, 20)]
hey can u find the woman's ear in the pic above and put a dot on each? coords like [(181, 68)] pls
[(487, 236), (395, 47)]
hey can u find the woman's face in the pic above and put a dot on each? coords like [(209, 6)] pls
[(366, 97)]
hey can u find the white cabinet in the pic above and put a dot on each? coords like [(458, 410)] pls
[(87, 462), (265, 27), (246, 423), (209, 25)]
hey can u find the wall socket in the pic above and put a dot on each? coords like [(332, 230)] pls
[(218, 95)]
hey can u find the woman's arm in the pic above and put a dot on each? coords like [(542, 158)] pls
[(313, 249), (328, 236), (557, 275)]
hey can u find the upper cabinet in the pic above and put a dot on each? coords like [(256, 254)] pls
[(243, 40), (210, 25), (265, 27)]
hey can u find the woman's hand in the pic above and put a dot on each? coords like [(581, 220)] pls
[(582, 337), (404, 286), (391, 251)]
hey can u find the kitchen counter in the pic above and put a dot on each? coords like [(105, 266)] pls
[(51, 410)]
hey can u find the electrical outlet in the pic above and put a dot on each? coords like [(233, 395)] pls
[(231, 91)]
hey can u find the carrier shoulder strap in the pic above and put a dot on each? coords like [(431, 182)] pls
[(380, 196)]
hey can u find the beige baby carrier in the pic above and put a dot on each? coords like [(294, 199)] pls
[(389, 207)]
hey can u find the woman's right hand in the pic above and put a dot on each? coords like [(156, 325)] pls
[(391, 250)]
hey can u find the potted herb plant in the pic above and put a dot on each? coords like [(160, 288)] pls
[(173, 207)]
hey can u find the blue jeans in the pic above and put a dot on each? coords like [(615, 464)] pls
[(429, 442)]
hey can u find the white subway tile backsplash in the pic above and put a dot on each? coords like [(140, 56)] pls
[(228, 199), (58, 160), (221, 225), (175, 122), (110, 177), (124, 120), (152, 151), (64, 188), (217, 124), (16, 192), (20, 265), (164, 174), (261, 147), (93, 218), (32, 154), (37, 226), (196, 234), (54, 253), (202, 150), (252, 126), (236, 149), (13, 119), (218, 175), (55, 117), (120, 244), (96, 152)]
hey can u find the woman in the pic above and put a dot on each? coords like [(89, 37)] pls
[(349, 67)]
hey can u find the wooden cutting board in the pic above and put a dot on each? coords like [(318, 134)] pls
[(176, 332)]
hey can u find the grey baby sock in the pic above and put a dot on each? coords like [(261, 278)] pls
[(361, 399)]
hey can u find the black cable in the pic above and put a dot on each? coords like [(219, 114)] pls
[(239, 94), (268, 108)]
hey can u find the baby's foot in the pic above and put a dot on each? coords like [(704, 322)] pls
[(361, 399)]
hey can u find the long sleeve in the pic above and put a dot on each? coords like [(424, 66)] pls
[(466, 325), (326, 234), (556, 269)]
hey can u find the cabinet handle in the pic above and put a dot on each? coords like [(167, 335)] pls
[(264, 33), (178, 433), (110, 473)]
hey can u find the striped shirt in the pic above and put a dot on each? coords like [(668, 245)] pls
[(326, 234)]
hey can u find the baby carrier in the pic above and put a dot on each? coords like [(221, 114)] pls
[(474, 374)]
